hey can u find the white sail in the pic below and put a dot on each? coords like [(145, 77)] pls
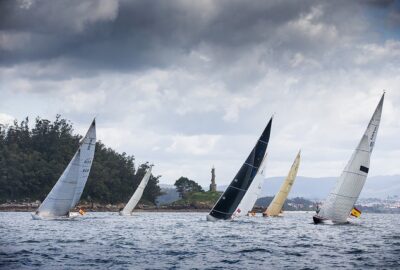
[(275, 207), (58, 201), (137, 194), (341, 200), (252, 194), (87, 149), (67, 191), (345, 194)]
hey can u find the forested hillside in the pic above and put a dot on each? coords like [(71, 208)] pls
[(31, 161)]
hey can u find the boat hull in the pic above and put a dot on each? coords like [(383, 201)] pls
[(318, 220), (70, 216), (124, 214), (211, 218)]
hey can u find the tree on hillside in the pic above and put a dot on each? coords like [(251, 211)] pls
[(31, 161), (185, 186)]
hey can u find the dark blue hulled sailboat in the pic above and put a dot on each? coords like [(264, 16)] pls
[(234, 193)]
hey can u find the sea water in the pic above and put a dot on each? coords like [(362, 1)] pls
[(187, 241)]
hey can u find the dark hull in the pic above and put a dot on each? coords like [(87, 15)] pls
[(318, 220)]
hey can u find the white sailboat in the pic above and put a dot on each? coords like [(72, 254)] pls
[(340, 202), (67, 191), (136, 195), (275, 207), (252, 194)]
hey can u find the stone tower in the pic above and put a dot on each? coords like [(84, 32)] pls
[(213, 186)]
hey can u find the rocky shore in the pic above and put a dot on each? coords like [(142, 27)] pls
[(97, 207)]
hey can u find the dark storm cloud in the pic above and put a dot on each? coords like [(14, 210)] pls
[(140, 34)]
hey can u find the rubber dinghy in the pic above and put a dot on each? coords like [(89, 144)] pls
[(67, 191), (275, 207), (340, 202), (234, 193), (128, 209)]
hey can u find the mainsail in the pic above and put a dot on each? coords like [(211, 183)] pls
[(252, 194), (275, 207), (341, 200), (67, 191), (137, 194), (87, 148), (234, 193)]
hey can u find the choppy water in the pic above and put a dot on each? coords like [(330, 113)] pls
[(187, 241)]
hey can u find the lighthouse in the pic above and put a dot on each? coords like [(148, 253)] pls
[(213, 186)]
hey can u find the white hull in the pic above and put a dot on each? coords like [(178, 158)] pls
[(211, 218), (71, 216), (125, 214)]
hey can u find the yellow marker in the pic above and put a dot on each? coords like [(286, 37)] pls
[(355, 212), (81, 212)]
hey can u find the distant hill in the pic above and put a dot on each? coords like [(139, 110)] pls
[(311, 188), (294, 204), (318, 188), (169, 194)]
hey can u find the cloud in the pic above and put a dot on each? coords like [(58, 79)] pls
[(195, 145), (190, 85)]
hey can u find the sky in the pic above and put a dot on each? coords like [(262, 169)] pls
[(188, 85)]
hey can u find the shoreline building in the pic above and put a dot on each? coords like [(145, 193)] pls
[(213, 185)]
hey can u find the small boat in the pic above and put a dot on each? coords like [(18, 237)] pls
[(128, 209), (340, 202), (249, 200), (234, 193), (68, 189), (275, 207)]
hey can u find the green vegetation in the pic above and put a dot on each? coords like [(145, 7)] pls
[(31, 161), (185, 186), (203, 199)]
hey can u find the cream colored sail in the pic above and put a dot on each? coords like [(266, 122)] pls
[(275, 207)]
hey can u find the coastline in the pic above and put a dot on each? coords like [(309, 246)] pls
[(31, 207)]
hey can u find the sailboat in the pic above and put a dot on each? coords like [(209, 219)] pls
[(136, 195), (252, 194), (67, 191), (275, 207), (340, 202), (234, 193)]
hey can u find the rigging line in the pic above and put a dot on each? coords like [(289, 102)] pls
[(238, 188), (344, 196), (251, 165), (221, 212), (359, 174)]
